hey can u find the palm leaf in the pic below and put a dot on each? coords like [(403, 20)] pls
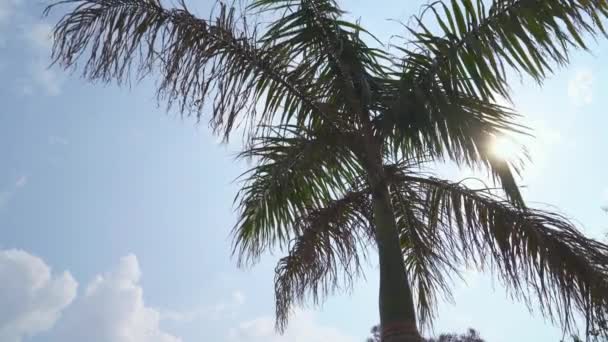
[(472, 54), (216, 61), (539, 255), (529, 36), (429, 266), (325, 256), (425, 121), (314, 33), (294, 172)]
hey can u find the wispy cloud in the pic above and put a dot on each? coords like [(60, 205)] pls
[(39, 36), (605, 199), (21, 181), (540, 146), (225, 308), (44, 78), (5, 197), (304, 327), (580, 87), (37, 41), (7, 194), (57, 140)]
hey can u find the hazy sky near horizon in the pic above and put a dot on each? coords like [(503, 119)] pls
[(115, 215)]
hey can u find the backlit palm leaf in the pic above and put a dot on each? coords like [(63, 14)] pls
[(329, 114), (539, 255), (217, 60), (295, 171), (479, 42)]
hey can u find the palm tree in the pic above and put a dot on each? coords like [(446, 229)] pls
[(341, 134)]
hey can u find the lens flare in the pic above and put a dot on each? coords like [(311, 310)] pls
[(505, 148)]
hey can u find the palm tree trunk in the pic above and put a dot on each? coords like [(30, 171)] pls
[(396, 303), (397, 312)]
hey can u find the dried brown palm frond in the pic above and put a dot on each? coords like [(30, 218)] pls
[(218, 61), (325, 255)]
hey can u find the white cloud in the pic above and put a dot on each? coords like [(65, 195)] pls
[(21, 182), (57, 140), (32, 297), (44, 78), (580, 87), (7, 195), (38, 74), (303, 327), (33, 300), (238, 297), (36, 41), (221, 310), (605, 199), (113, 308), (39, 36), (540, 146)]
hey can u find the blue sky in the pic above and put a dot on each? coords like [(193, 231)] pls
[(115, 215)]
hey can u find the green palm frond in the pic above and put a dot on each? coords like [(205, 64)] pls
[(295, 171), (326, 254), (479, 43), (217, 61), (538, 255), (314, 33)]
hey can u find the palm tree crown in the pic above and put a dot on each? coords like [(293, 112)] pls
[(341, 133)]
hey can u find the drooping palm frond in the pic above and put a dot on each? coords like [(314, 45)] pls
[(295, 171), (426, 254), (540, 256), (217, 61), (326, 253)]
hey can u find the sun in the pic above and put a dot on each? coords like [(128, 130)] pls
[(505, 148)]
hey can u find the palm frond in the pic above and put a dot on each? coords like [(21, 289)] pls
[(325, 255), (428, 262), (216, 61), (478, 44), (540, 256), (314, 32), (471, 56), (295, 171), (425, 121)]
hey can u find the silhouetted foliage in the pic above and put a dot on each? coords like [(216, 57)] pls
[(470, 336), (341, 135)]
